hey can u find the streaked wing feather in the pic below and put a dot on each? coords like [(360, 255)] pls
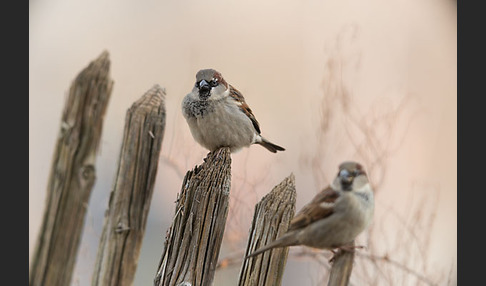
[(314, 211), (235, 94)]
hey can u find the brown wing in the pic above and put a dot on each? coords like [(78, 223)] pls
[(236, 95), (321, 206)]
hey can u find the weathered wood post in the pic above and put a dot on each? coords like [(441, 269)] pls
[(72, 175), (130, 198), (271, 219), (194, 239), (341, 269)]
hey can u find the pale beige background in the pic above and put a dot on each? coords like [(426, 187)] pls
[(384, 72)]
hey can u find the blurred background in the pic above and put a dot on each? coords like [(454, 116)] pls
[(372, 81)]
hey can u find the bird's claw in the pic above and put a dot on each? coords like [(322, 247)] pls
[(348, 248)]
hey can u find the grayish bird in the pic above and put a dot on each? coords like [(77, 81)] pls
[(218, 115), (335, 216)]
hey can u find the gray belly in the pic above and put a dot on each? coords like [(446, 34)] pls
[(334, 232), (220, 126)]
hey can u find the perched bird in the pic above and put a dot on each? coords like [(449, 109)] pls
[(218, 115), (335, 216)]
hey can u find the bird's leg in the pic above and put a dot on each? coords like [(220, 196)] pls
[(339, 250), (334, 254)]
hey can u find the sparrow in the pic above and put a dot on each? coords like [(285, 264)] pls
[(335, 216), (218, 115)]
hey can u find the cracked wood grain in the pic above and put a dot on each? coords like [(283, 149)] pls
[(72, 175), (194, 239), (130, 198), (271, 219)]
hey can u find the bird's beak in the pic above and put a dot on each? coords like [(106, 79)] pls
[(204, 89), (346, 181)]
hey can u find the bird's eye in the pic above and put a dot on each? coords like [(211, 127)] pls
[(196, 84), (213, 83)]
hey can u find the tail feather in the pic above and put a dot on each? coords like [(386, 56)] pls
[(270, 146), (286, 240)]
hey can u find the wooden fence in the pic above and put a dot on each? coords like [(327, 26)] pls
[(193, 241)]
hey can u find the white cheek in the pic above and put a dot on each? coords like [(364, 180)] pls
[(217, 94), (364, 189)]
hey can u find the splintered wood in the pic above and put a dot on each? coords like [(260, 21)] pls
[(271, 220), (72, 175), (130, 198), (194, 239)]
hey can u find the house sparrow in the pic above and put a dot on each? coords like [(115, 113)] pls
[(335, 216), (218, 115)]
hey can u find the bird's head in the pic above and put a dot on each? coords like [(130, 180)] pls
[(210, 85)]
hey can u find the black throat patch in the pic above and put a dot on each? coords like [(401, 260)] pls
[(200, 108)]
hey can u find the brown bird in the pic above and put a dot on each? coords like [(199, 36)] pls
[(218, 115), (335, 216)]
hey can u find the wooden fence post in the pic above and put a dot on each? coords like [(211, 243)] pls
[(271, 219), (194, 239), (72, 175), (341, 268), (130, 198)]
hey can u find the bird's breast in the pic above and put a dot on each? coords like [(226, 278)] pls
[(198, 108), (219, 123)]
